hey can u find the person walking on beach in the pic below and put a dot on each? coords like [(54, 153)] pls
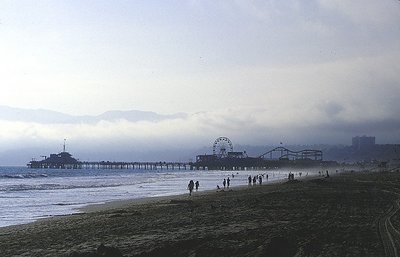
[(254, 180), (260, 179), (228, 182), (197, 185), (224, 183), (249, 179), (190, 187)]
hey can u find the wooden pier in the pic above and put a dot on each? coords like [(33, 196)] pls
[(44, 164), (136, 165)]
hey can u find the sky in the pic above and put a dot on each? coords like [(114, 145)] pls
[(259, 72)]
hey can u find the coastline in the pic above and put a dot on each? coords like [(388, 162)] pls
[(113, 204), (116, 204), (333, 216), (32, 195)]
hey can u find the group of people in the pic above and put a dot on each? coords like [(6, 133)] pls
[(321, 173), (226, 183), (255, 178), (191, 186)]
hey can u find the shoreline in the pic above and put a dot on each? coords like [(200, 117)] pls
[(121, 203), (95, 188), (36, 205), (117, 204)]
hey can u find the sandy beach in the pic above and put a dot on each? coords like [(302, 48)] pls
[(352, 214)]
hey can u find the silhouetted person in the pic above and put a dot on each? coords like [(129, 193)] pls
[(254, 180), (197, 185), (249, 179), (260, 179), (267, 176), (190, 187), (224, 183), (228, 182)]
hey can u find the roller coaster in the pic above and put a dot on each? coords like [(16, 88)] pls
[(282, 153)]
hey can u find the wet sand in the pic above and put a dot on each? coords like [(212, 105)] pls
[(345, 215)]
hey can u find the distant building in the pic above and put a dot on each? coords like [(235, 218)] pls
[(63, 160), (363, 142)]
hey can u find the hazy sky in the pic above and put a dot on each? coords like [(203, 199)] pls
[(309, 71)]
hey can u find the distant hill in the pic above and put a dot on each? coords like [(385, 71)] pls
[(51, 117)]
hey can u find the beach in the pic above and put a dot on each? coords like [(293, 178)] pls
[(27, 195), (351, 214)]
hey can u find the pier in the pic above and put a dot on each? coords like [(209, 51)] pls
[(64, 160), (136, 165), (49, 164), (222, 158)]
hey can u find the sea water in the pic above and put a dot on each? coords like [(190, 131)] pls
[(27, 194)]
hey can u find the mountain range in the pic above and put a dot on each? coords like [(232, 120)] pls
[(52, 117)]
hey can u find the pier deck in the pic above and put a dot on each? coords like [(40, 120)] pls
[(136, 165), (111, 165)]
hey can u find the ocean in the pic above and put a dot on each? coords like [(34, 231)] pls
[(27, 194)]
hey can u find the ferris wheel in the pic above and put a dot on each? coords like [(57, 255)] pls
[(222, 146)]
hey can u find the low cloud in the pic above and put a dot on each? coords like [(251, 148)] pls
[(323, 124)]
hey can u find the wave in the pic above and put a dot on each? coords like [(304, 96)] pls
[(66, 204), (23, 176), (25, 187)]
